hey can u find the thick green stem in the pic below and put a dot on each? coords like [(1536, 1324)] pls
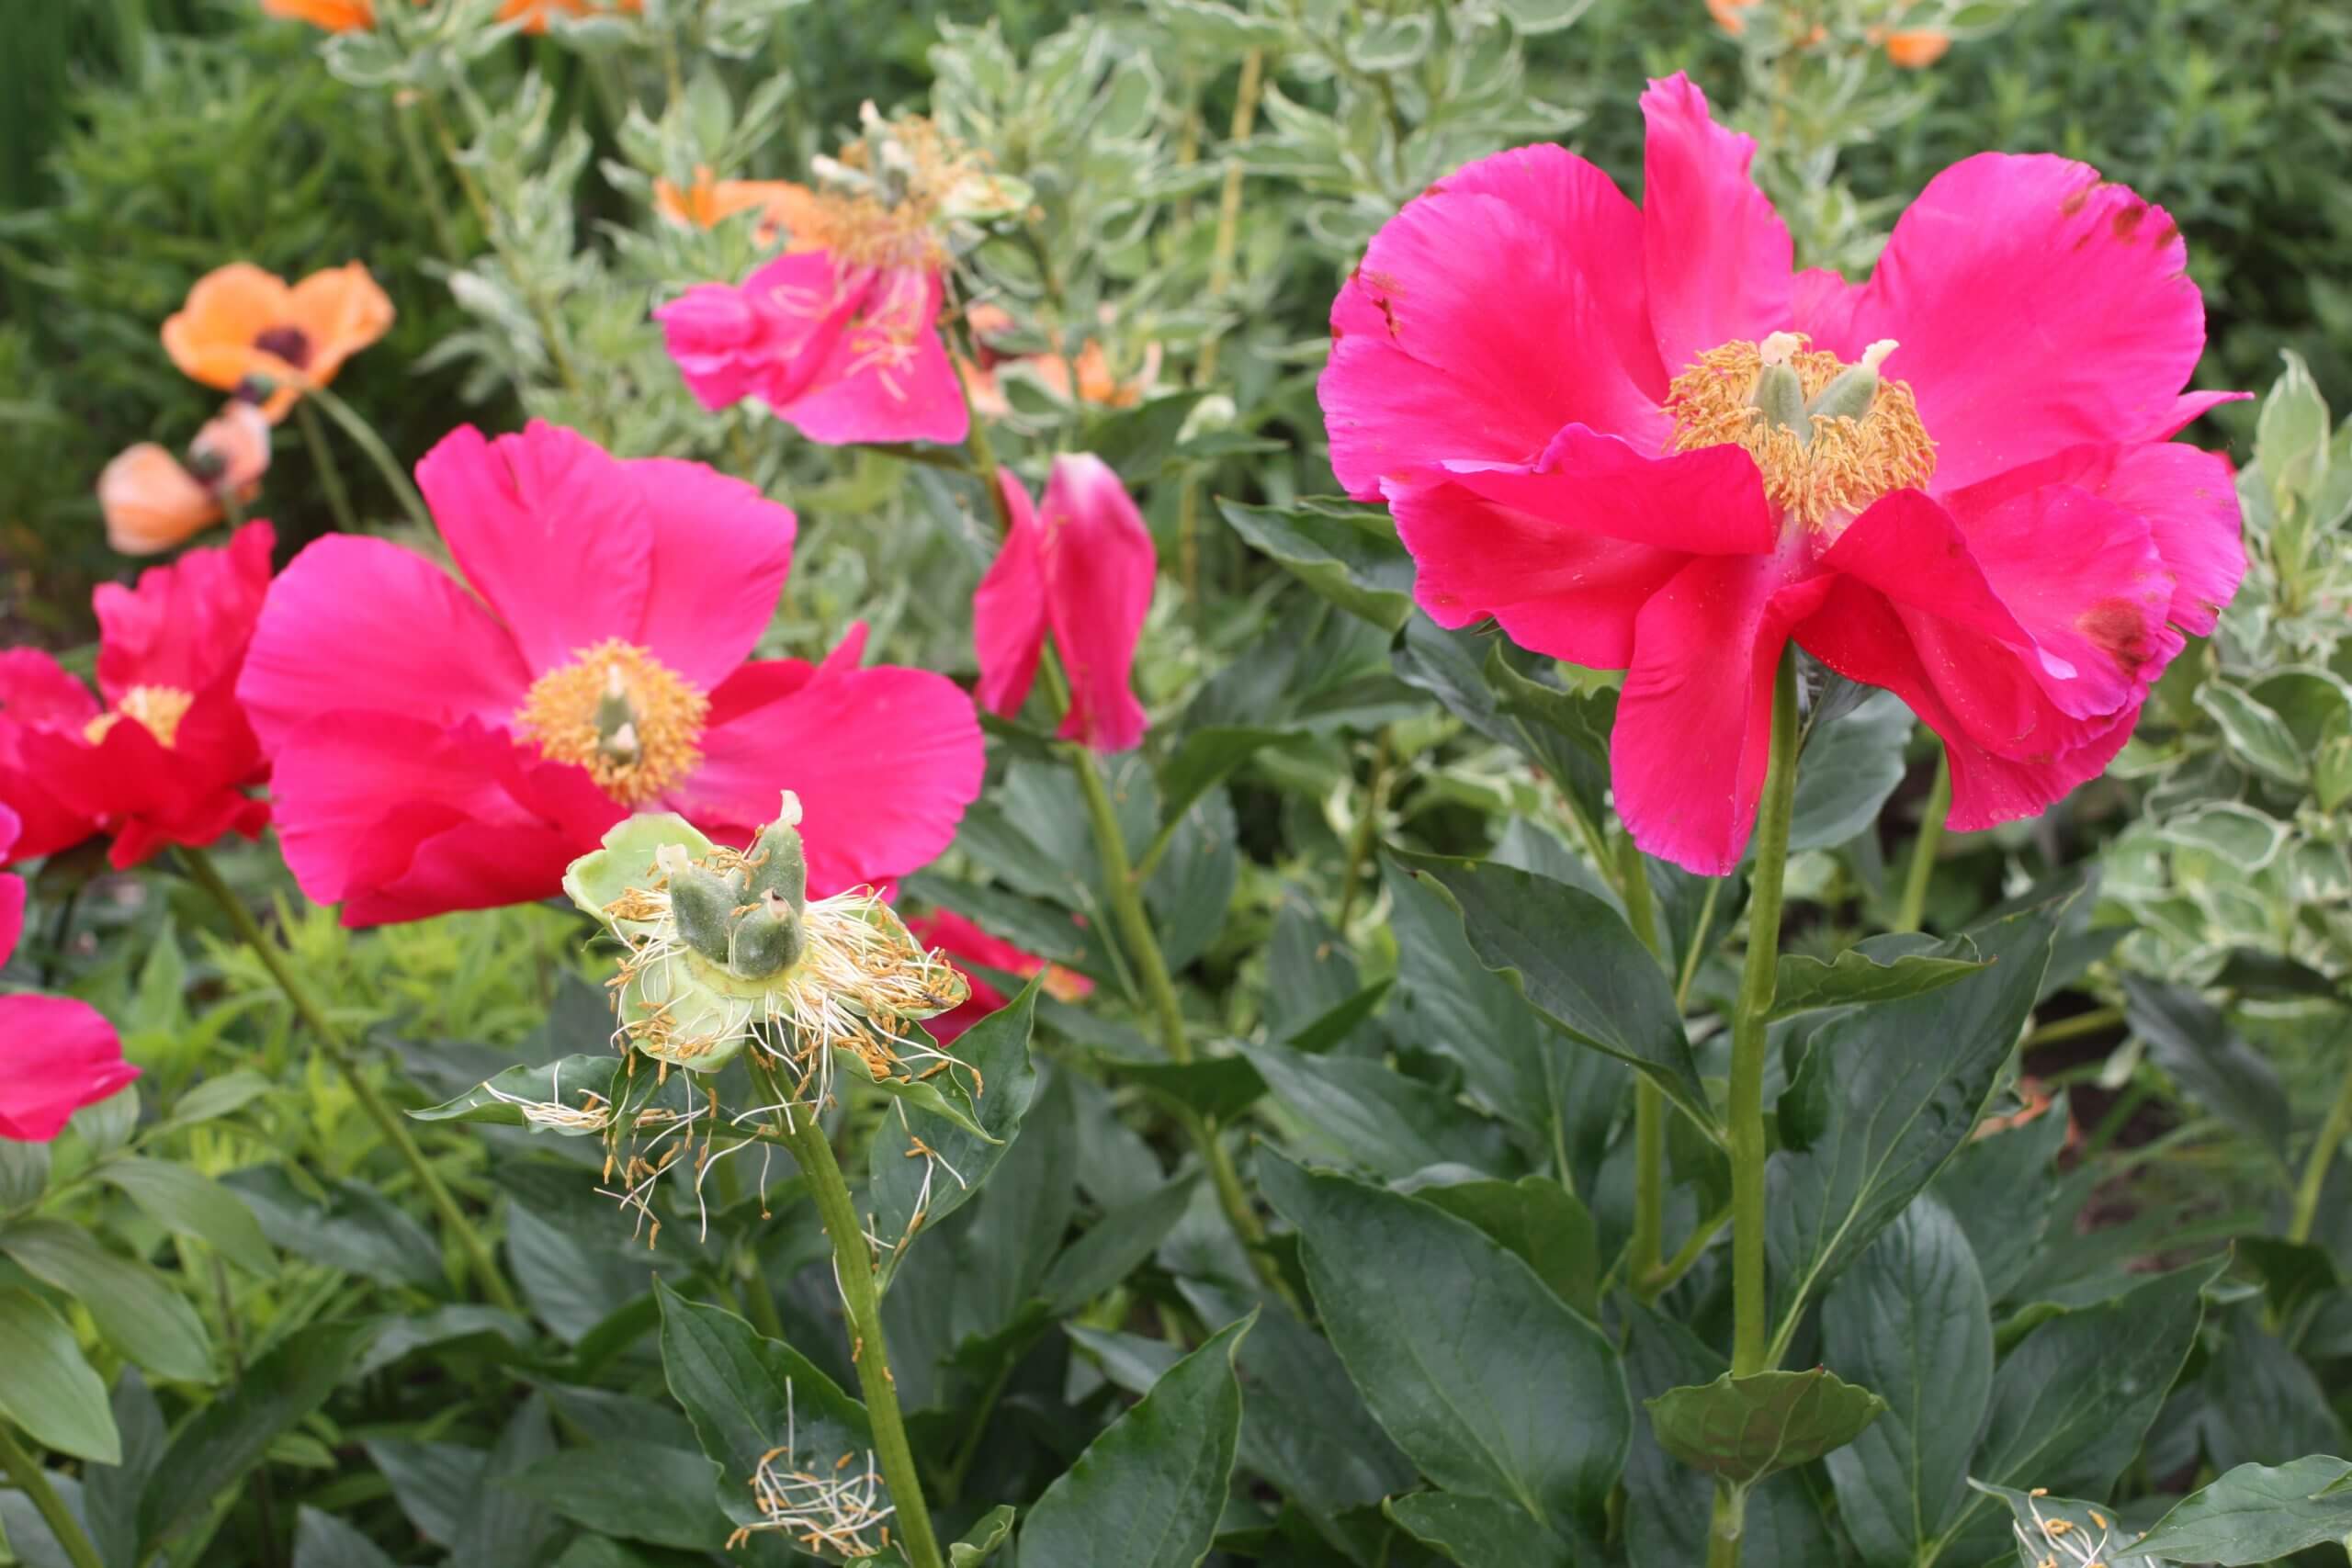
[(329, 476), (1160, 993), (1647, 1249), (2331, 1134), (1698, 935), (2073, 1028), (362, 436), (1724, 1529), (33, 1481), (1924, 848), (1366, 836), (1743, 1133), (329, 1040), (853, 1267)]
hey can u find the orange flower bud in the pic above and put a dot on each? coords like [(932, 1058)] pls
[(1918, 49)]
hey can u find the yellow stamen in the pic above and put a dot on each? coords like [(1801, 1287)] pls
[(1832, 471), (157, 709), (634, 723)]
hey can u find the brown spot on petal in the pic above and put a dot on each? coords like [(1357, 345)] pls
[(2117, 625), (2127, 218), (1388, 313), (2077, 199)]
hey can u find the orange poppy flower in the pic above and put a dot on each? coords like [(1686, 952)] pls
[(240, 321), (334, 15), (153, 500), (534, 13), (1096, 384), (1917, 50), (1729, 15), (794, 209)]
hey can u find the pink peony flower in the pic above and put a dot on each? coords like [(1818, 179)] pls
[(966, 943), (168, 759), (1082, 569), (841, 351), (435, 749), (1639, 441), (56, 1055)]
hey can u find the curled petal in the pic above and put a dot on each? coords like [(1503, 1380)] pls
[(1694, 722), (1505, 302), (56, 1056), (1009, 609), (1099, 566)]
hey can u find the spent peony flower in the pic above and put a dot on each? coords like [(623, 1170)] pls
[(1639, 441), (838, 336), (966, 943), (436, 748), (168, 759), (56, 1055), (241, 322), (153, 501), (1080, 570), (726, 950)]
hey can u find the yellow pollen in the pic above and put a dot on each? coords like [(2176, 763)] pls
[(866, 229), (634, 723), (158, 709), (1841, 467)]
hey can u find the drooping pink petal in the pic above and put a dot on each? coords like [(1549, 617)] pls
[(56, 1056), (1100, 566), (714, 336), (185, 625), (2036, 309), (362, 624), (1009, 608), (886, 375), (720, 553), (1565, 555), (770, 337), (358, 795), (1501, 305), (1718, 257), (1694, 722), (12, 889), (549, 529), (2188, 497), (1857, 633), (884, 760)]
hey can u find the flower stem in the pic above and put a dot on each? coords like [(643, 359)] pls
[(2073, 1028), (330, 477), (1647, 1248), (853, 1267), (1923, 848), (33, 1481), (2331, 1134), (1743, 1133), (387, 1122), (362, 436), (420, 165), (1143, 947)]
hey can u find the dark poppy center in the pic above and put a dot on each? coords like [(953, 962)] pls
[(288, 344)]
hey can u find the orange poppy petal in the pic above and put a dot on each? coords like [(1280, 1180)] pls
[(152, 502), (1917, 50), (334, 15), (340, 311), (210, 337)]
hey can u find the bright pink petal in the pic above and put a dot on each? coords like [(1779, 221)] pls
[(358, 624), (1565, 555), (768, 338), (12, 889), (2188, 497), (1718, 257), (359, 795), (1099, 568), (56, 1056), (1821, 306), (1501, 305), (886, 376), (550, 529), (2036, 309), (186, 624), (720, 553), (37, 696), (2187, 408), (1694, 721), (1009, 609), (469, 866), (1857, 633), (883, 762)]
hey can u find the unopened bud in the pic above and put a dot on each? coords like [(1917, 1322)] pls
[(1780, 397)]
